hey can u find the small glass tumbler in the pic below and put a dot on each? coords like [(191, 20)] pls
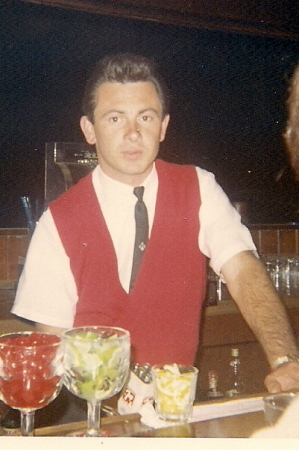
[(276, 404), (174, 387)]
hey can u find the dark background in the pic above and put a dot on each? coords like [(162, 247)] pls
[(228, 101)]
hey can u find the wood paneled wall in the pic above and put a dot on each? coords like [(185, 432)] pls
[(276, 239), (13, 245)]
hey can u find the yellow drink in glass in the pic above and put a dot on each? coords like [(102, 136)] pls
[(175, 387)]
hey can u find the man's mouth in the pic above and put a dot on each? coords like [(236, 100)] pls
[(132, 154)]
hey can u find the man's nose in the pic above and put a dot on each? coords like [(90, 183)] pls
[(132, 131)]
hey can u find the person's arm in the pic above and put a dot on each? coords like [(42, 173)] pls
[(260, 305), (46, 292)]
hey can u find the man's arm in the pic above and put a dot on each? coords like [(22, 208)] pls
[(251, 288), (47, 291)]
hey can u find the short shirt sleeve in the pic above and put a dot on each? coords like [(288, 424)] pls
[(222, 234), (46, 291)]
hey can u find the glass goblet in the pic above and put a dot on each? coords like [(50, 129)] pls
[(96, 362), (30, 373)]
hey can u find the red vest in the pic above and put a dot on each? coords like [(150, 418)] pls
[(163, 310)]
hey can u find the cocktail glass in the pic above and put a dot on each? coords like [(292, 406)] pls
[(175, 388), (276, 404), (30, 373), (97, 361)]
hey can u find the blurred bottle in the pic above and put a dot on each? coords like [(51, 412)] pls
[(11, 422), (213, 393), (236, 382)]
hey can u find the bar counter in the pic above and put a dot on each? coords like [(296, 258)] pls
[(222, 328), (236, 426), (241, 426)]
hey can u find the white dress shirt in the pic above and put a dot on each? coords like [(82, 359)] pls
[(47, 290)]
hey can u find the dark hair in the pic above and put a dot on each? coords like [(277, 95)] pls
[(123, 68), (292, 129)]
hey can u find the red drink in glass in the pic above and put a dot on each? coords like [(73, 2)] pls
[(30, 370)]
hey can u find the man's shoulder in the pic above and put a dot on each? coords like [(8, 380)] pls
[(166, 165), (75, 195)]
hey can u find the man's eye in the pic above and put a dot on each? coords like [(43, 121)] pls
[(146, 118), (114, 119)]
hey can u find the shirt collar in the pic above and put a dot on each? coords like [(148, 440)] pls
[(107, 186)]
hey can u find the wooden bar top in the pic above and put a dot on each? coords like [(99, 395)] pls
[(240, 426)]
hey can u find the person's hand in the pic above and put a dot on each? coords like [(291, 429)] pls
[(284, 378)]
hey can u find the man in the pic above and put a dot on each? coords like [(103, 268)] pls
[(79, 263), (292, 129)]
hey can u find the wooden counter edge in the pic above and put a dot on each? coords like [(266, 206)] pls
[(229, 306), (67, 428)]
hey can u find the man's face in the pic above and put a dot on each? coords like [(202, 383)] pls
[(127, 130)]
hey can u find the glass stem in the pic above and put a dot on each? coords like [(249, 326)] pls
[(93, 418), (27, 423)]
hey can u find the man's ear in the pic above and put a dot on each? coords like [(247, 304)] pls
[(88, 130), (164, 126)]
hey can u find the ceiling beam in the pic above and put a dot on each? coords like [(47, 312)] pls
[(268, 18)]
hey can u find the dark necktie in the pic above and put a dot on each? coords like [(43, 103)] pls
[(141, 237)]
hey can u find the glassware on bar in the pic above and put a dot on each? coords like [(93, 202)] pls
[(175, 387), (276, 404), (284, 273), (97, 361), (31, 369)]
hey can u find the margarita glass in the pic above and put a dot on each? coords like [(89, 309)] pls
[(97, 361)]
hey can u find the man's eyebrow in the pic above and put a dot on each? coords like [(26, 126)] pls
[(149, 110), (113, 111), (143, 111)]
